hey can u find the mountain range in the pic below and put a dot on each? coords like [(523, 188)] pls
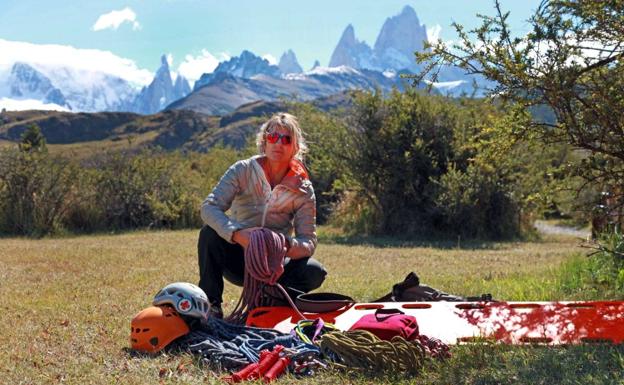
[(399, 38), (224, 92), (241, 79)]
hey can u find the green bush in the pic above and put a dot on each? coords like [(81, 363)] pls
[(41, 193), (151, 189), (416, 164), (323, 134), (35, 192), (129, 189), (607, 264)]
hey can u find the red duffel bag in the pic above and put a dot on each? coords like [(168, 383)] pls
[(387, 323)]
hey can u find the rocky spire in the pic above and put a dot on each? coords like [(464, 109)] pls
[(351, 52), (399, 38), (288, 63), (159, 94)]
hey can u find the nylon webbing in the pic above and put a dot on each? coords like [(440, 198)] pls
[(228, 346)]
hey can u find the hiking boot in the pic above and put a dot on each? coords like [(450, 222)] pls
[(215, 311)]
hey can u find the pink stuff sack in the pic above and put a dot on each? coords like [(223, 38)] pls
[(387, 323)]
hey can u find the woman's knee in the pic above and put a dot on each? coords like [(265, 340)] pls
[(317, 274), (307, 274)]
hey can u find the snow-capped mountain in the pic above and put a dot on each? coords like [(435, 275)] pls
[(224, 93), (160, 92), (91, 91), (26, 83), (399, 38), (63, 87), (71, 84), (60, 77), (245, 66), (288, 63)]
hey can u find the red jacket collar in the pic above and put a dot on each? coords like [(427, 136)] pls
[(295, 176)]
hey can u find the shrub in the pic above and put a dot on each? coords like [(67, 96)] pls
[(607, 264), (418, 164), (153, 189), (324, 135), (35, 192), (41, 193)]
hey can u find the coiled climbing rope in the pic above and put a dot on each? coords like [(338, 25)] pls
[(264, 264), (360, 349)]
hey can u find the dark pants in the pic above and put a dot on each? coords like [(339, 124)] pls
[(218, 259)]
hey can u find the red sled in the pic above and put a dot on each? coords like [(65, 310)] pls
[(552, 323)]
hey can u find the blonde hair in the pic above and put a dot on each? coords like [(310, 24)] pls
[(288, 122)]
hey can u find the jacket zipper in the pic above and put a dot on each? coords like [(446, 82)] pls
[(266, 207)]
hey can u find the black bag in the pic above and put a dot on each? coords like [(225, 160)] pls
[(410, 290)]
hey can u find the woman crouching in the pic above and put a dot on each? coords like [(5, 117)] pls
[(271, 190)]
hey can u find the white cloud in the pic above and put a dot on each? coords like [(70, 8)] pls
[(28, 104), (433, 33), (270, 58), (446, 85), (56, 56), (194, 66), (114, 19)]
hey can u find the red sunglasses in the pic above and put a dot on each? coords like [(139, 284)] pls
[(273, 137)]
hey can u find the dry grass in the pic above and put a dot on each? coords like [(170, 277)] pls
[(67, 302), (122, 142)]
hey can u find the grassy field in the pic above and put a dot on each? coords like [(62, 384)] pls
[(67, 304)]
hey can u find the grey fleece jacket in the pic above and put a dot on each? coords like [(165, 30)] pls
[(245, 191)]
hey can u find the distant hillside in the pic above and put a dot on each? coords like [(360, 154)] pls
[(83, 133)]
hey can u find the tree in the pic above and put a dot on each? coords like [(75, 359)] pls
[(35, 191), (420, 165), (571, 62), (32, 139)]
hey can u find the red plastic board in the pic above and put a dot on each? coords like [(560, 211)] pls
[(507, 322)]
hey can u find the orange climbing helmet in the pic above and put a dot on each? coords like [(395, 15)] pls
[(155, 327)]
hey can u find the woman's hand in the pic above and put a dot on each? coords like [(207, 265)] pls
[(242, 236)]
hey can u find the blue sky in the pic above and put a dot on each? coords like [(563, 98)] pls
[(201, 32)]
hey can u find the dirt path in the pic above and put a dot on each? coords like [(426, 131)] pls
[(546, 228)]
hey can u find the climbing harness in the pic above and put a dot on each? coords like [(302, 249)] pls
[(308, 331)]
